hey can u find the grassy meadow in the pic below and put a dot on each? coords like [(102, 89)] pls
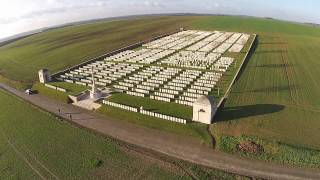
[(36, 145), (64, 47), (276, 99)]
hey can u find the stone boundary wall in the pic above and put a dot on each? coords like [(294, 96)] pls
[(148, 113), (237, 74), (162, 116), (55, 87), (125, 107)]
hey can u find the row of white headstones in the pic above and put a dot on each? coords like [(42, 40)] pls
[(145, 112), (161, 83), (105, 73), (170, 84), (145, 56), (190, 59)]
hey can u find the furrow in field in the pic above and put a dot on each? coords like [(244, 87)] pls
[(292, 76), (25, 159), (289, 71)]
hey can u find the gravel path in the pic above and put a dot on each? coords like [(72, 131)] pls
[(170, 144)]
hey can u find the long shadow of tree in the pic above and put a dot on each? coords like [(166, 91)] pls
[(267, 89), (273, 66), (232, 113)]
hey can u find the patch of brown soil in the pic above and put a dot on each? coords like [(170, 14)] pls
[(250, 147)]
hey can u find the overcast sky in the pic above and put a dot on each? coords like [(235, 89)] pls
[(18, 16)]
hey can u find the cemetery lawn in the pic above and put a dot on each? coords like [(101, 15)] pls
[(72, 89), (171, 109), (35, 144), (192, 129)]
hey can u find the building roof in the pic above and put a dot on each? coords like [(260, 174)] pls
[(205, 100), (43, 70)]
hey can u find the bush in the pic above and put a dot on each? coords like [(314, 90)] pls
[(273, 151)]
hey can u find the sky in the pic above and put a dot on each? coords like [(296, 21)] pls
[(18, 16)]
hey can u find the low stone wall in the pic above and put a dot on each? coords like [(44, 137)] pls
[(162, 116), (238, 72), (125, 107), (55, 87), (149, 113)]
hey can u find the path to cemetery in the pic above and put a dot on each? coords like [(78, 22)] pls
[(170, 144)]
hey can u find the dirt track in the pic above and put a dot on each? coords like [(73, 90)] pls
[(170, 144)]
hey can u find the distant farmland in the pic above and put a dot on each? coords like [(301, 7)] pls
[(64, 47), (276, 98)]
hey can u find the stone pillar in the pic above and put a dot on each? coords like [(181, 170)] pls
[(44, 76)]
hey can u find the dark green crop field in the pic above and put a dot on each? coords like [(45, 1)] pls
[(275, 99), (36, 145)]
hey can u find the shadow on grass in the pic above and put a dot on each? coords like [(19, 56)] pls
[(273, 65), (35, 92), (271, 42), (232, 113), (274, 89), (268, 89)]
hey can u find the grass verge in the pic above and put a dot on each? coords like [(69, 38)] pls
[(274, 151), (15, 84)]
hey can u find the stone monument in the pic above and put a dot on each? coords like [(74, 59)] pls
[(94, 93)]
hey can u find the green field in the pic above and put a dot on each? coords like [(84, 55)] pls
[(276, 96), (36, 145), (62, 48), (275, 99)]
